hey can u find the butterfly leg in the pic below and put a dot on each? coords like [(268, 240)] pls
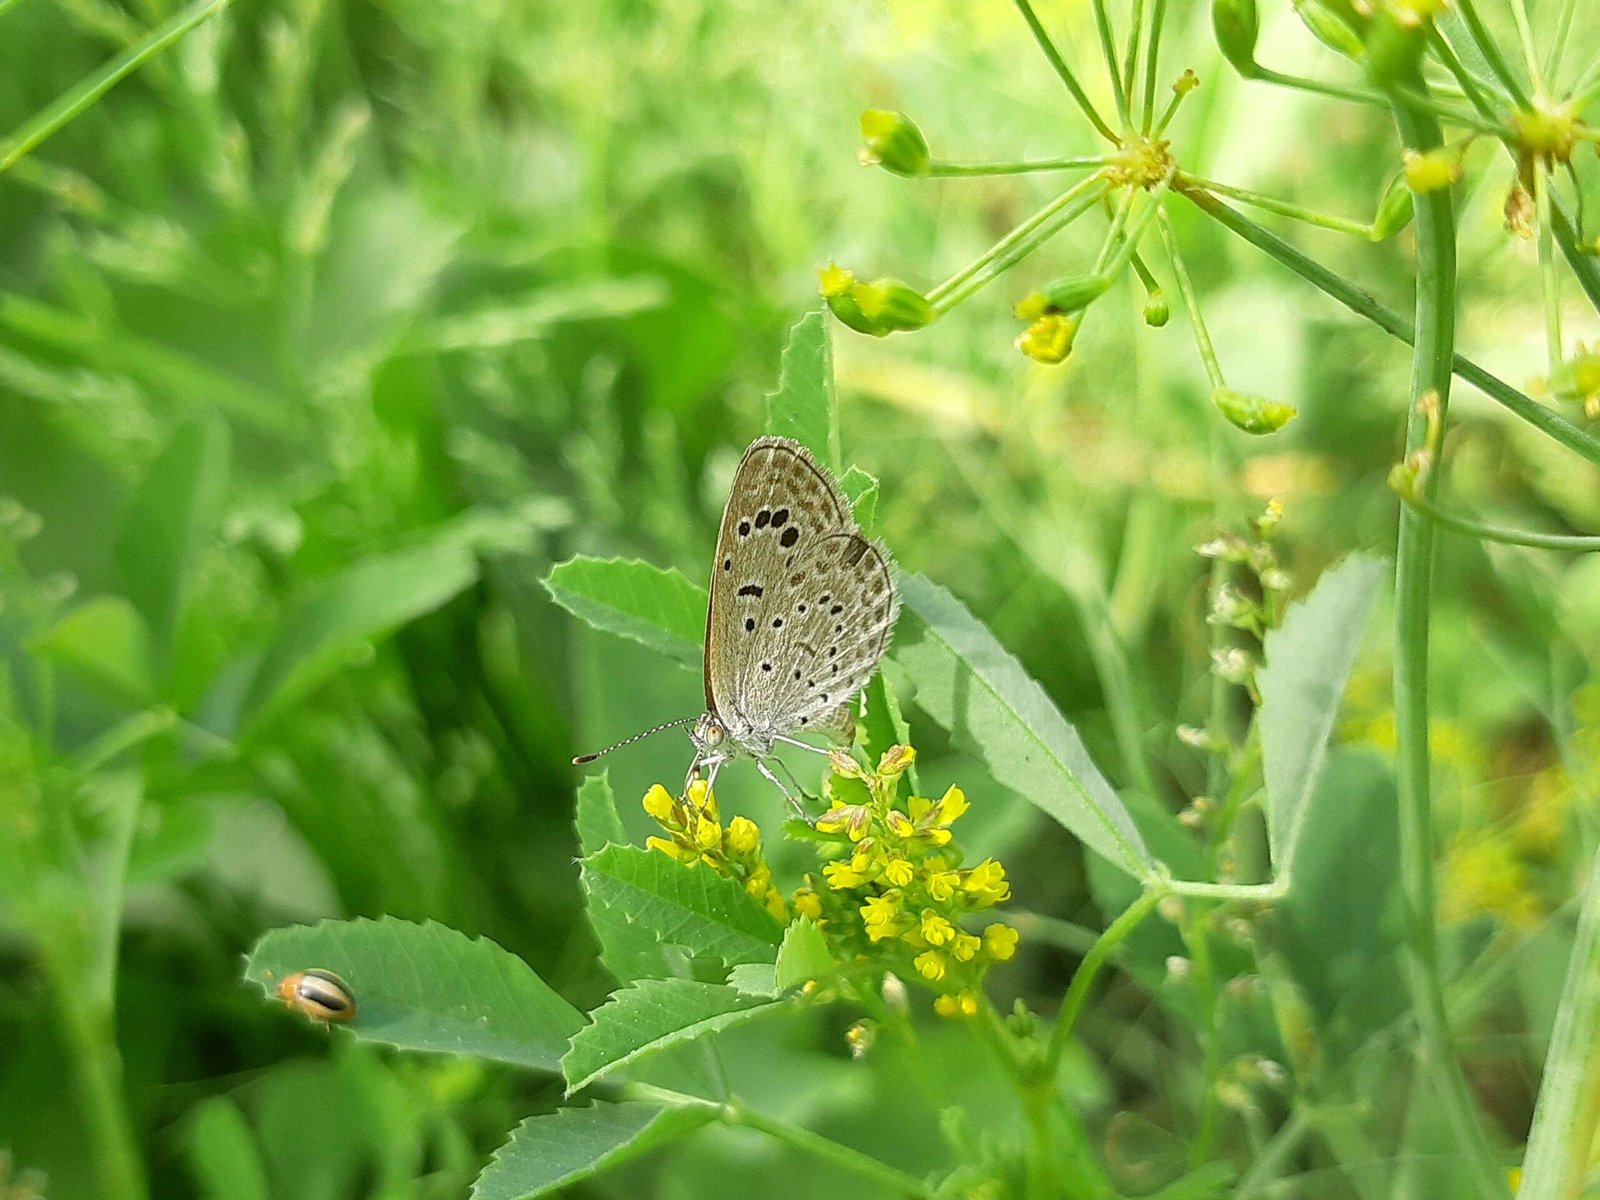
[(798, 744), (787, 794)]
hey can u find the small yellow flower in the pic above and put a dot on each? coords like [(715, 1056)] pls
[(966, 947), (947, 1005), (807, 904), (851, 819), (931, 964), (776, 906), (950, 807), (881, 915), (707, 833), (935, 930), (658, 802), (942, 884), (1000, 941), (899, 872), (1049, 339), (670, 849), (842, 875), (899, 824), (986, 883), (743, 835)]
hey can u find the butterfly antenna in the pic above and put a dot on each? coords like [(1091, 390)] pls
[(589, 758)]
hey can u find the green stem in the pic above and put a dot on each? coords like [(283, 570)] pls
[(1490, 49), (1064, 71), (1108, 48), (1432, 371), (1130, 64), (1530, 56), (1568, 1108), (1471, 86), (1360, 95), (79, 98), (1254, 892), (1574, 438), (1078, 991), (1282, 208), (92, 1045), (1584, 267), (1547, 271), (1152, 56), (1558, 45), (1489, 533), (1199, 943), (737, 1114), (1191, 303), (1268, 1165), (1019, 243), (948, 170)]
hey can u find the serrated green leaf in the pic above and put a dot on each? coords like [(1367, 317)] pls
[(1308, 659), (805, 407), (167, 524), (427, 987), (754, 979), (973, 687), (651, 1015), (659, 608), (862, 489), (692, 907), (803, 956), (629, 951), (598, 824), (555, 1150), (360, 604)]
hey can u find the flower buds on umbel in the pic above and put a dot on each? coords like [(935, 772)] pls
[(891, 140)]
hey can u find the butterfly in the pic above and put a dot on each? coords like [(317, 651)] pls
[(801, 611)]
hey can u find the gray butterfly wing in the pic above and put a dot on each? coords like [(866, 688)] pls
[(824, 626), (780, 504)]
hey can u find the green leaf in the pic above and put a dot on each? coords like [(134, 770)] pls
[(803, 956), (1308, 659), (222, 1153), (427, 987), (754, 979), (805, 407), (692, 907), (599, 825), (633, 599), (555, 1150), (629, 951), (167, 524), (363, 603), (973, 687), (651, 1015), (103, 641), (1564, 1117), (863, 492)]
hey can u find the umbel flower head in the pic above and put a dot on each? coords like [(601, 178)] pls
[(892, 896), (893, 892)]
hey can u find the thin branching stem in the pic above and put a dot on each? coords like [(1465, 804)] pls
[(949, 170), (1130, 62), (1490, 49), (1152, 58), (1282, 208), (1108, 49), (1580, 441), (1078, 990), (1064, 71), (1472, 87), (1530, 56), (1549, 275), (1191, 303), (1558, 44), (1490, 533)]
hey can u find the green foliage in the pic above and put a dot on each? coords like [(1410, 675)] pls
[(425, 987), (804, 406), (660, 609), (696, 909), (1308, 659)]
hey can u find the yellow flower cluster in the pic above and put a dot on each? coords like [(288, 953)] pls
[(893, 890), (696, 834)]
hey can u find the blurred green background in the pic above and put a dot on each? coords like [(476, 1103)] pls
[(326, 334)]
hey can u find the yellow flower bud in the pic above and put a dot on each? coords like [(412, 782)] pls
[(965, 947), (947, 1006), (942, 884), (1000, 941), (670, 849), (1156, 310), (807, 904), (658, 802), (879, 308), (743, 836), (1049, 339), (776, 906), (899, 824), (896, 760), (841, 875), (899, 872), (891, 140), (969, 1004), (1431, 171), (930, 964), (707, 833)]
